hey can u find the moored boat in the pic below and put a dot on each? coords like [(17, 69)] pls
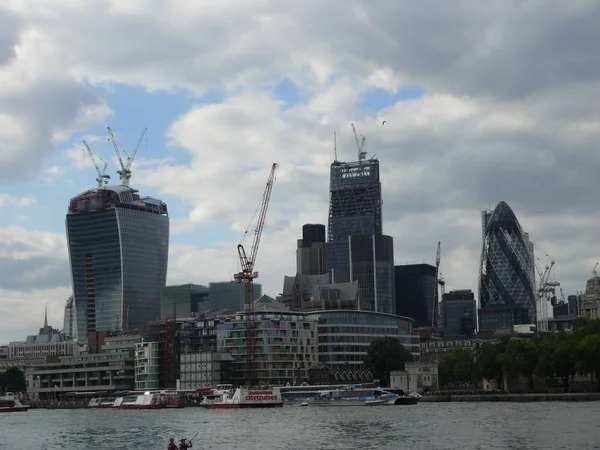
[(358, 396), (149, 400), (101, 402), (243, 398), (10, 403)]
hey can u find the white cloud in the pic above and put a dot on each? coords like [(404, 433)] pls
[(510, 113), (21, 202)]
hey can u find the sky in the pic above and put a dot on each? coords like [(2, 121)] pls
[(483, 102)]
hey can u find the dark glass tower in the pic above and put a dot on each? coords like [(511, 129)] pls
[(507, 267), (354, 209), (118, 248), (372, 265)]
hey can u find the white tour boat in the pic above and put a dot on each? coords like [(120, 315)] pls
[(226, 397)]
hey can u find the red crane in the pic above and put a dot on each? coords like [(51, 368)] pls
[(247, 275)]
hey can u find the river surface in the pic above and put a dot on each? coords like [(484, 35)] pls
[(427, 426)]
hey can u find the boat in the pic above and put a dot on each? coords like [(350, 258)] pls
[(10, 403), (358, 396), (101, 402), (149, 400), (242, 398)]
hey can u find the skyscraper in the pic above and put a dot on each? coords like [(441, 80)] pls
[(311, 254), (118, 248), (506, 277), (415, 292), (354, 209)]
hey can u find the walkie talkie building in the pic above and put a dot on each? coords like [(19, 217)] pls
[(118, 248), (507, 270)]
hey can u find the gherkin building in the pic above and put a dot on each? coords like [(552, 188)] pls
[(507, 269)]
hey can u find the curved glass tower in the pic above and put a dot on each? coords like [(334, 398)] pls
[(118, 248), (507, 270)]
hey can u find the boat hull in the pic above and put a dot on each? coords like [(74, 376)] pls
[(16, 409), (242, 405)]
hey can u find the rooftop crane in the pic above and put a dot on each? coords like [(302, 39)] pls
[(360, 145), (247, 274), (102, 176), (595, 272), (435, 305), (125, 172)]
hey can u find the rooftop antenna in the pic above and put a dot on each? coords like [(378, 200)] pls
[(359, 144), (334, 147)]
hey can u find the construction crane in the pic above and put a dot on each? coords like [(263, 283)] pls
[(102, 176), (360, 144), (546, 290), (247, 274), (125, 172), (595, 272), (435, 285)]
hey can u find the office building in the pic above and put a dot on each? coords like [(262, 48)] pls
[(354, 209), (459, 311), (372, 266), (69, 320), (590, 299), (184, 300), (311, 254), (118, 247), (230, 296), (506, 276), (415, 292)]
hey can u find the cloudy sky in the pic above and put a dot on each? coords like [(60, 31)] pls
[(484, 101)]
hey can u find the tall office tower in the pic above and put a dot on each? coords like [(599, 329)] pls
[(415, 292), (69, 320), (459, 313), (311, 254), (118, 247), (354, 209), (372, 265), (506, 282)]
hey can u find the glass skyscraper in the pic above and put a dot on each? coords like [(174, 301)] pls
[(118, 248), (354, 209), (507, 266)]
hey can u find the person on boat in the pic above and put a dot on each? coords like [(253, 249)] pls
[(183, 445), (172, 445)]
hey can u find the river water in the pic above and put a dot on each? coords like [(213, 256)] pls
[(427, 426)]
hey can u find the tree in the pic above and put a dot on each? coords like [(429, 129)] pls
[(588, 356), (487, 365), (385, 354), (520, 357), (13, 380), (557, 357), (457, 367)]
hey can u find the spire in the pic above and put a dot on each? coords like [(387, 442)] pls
[(46, 317)]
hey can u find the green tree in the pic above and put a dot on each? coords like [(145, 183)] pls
[(13, 380), (520, 358), (557, 357), (457, 367), (487, 365), (385, 354), (588, 356)]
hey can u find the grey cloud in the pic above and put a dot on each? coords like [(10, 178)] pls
[(38, 273), (9, 35)]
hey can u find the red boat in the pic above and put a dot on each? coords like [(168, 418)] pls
[(243, 398), (10, 403)]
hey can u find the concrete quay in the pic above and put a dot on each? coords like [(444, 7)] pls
[(568, 397)]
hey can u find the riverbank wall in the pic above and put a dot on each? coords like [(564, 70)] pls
[(575, 397)]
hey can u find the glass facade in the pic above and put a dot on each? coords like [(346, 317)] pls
[(459, 314), (118, 248), (415, 292), (147, 366), (372, 265), (285, 347), (345, 335), (354, 208), (507, 265), (182, 301), (230, 295)]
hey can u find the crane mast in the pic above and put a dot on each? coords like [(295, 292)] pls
[(102, 176), (125, 172), (360, 144), (247, 275)]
